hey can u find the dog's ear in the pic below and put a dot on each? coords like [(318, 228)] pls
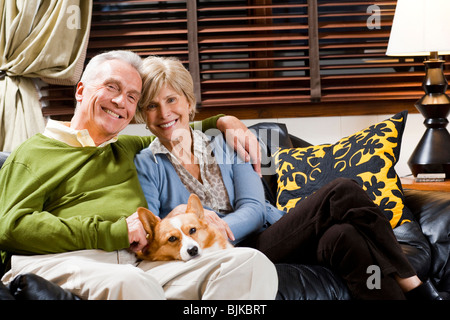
[(195, 206), (148, 219)]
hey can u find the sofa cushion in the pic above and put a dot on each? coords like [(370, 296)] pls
[(309, 282), (368, 156), (415, 246)]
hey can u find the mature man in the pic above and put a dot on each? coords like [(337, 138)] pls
[(67, 198)]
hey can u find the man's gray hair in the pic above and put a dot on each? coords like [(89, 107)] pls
[(129, 57)]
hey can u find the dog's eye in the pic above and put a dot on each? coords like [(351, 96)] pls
[(173, 239), (192, 230)]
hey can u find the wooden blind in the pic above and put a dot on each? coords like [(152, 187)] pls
[(253, 53), (353, 38), (265, 58)]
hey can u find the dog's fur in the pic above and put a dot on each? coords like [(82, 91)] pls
[(180, 237)]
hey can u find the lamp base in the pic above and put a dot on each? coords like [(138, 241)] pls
[(432, 154)]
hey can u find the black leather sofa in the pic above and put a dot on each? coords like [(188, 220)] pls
[(426, 241)]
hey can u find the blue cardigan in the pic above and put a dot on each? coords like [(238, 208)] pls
[(164, 190)]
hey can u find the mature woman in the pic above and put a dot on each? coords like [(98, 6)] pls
[(338, 226)]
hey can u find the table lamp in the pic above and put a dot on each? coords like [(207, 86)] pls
[(422, 28)]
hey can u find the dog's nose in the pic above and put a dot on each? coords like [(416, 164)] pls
[(193, 251)]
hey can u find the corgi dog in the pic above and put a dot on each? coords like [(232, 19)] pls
[(180, 237)]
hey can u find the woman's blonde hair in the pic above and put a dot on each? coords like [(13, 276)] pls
[(160, 71)]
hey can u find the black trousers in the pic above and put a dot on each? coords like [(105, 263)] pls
[(339, 226)]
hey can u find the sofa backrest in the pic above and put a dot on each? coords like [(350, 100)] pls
[(271, 136), (3, 156)]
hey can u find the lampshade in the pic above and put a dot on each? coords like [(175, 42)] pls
[(420, 27)]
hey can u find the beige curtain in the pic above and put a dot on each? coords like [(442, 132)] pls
[(44, 39)]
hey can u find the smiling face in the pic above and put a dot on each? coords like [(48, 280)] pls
[(167, 116), (107, 103)]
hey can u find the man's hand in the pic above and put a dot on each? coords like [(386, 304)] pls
[(136, 233), (242, 140)]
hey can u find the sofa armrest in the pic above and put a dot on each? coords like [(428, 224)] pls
[(271, 136), (4, 293), (33, 287), (431, 209)]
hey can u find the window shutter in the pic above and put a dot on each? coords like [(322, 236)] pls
[(353, 38), (253, 53), (146, 27), (265, 58), (58, 102)]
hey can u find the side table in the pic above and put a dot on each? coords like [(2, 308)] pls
[(410, 183)]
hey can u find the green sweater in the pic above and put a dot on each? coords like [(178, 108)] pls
[(58, 198)]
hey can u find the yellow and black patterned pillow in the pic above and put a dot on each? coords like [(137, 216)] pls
[(367, 156)]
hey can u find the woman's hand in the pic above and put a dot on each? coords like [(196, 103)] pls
[(241, 139), (212, 218)]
